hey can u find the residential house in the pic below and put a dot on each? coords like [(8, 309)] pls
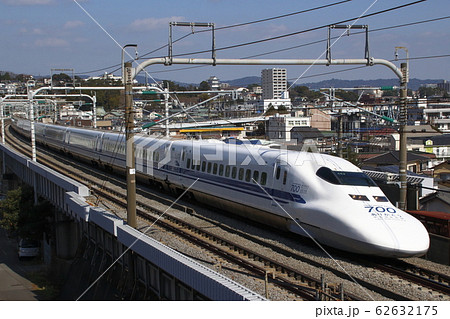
[(442, 172), (436, 202), (307, 135), (279, 127), (416, 162)]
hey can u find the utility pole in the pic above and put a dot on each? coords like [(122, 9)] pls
[(339, 134), (130, 160), (30, 92), (94, 111), (166, 107), (403, 118)]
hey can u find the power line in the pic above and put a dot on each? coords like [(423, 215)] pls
[(119, 65), (295, 33), (226, 27), (303, 31), (354, 33), (280, 16), (261, 20)]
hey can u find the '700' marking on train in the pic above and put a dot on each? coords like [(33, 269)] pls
[(381, 209)]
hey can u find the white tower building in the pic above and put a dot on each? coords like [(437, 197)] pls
[(274, 88)]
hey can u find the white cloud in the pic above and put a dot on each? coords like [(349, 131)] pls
[(73, 24), (26, 2), (51, 42), (33, 31), (153, 23)]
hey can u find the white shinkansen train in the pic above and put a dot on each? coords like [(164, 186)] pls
[(310, 194)]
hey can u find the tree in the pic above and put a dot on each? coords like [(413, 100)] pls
[(173, 86), (347, 95), (61, 78), (203, 97), (19, 215), (305, 92), (10, 210), (430, 91), (204, 86), (5, 77)]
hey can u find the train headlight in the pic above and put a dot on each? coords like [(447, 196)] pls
[(359, 197)]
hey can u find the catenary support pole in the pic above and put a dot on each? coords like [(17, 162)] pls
[(130, 161), (403, 149), (166, 107)]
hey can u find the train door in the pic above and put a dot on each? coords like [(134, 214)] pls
[(66, 140), (280, 176), (280, 182), (98, 144)]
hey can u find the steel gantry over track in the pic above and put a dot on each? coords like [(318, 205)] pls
[(130, 74)]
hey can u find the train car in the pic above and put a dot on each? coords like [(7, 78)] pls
[(315, 195)]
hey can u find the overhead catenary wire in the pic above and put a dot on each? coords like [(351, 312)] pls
[(303, 31), (323, 41), (280, 36), (224, 27)]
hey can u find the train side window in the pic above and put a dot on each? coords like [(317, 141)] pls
[(215, 168), (209, 167), (278, 172), (221, 170), (233, 172), (227, 171), (198, 165), (188, 163), (263, 178), (203, 166), (248, 175), (255, 176), (183, 156), (284, 177), (241, 174)]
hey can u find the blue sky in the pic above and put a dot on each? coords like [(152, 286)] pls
[(38, 35)]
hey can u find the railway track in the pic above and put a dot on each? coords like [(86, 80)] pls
[(424, 277), (273, 271)]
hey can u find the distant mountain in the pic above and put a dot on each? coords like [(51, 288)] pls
[(413, 84), (243, 82)]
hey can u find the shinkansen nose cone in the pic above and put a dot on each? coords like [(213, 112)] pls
[(406, 237)]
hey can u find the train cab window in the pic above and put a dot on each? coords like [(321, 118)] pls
[(263, 178), (355, 179), (278, 172), (284, 177), (183, 156), (227, 171), (248, 175), (215, 169), (188, 163), (209, 167), (221, 170), (234, 172), (241, 174), (255, 176), (327, 174), (345, 178), (203, 166)]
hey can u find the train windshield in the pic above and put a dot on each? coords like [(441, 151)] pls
[(345, 178)]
